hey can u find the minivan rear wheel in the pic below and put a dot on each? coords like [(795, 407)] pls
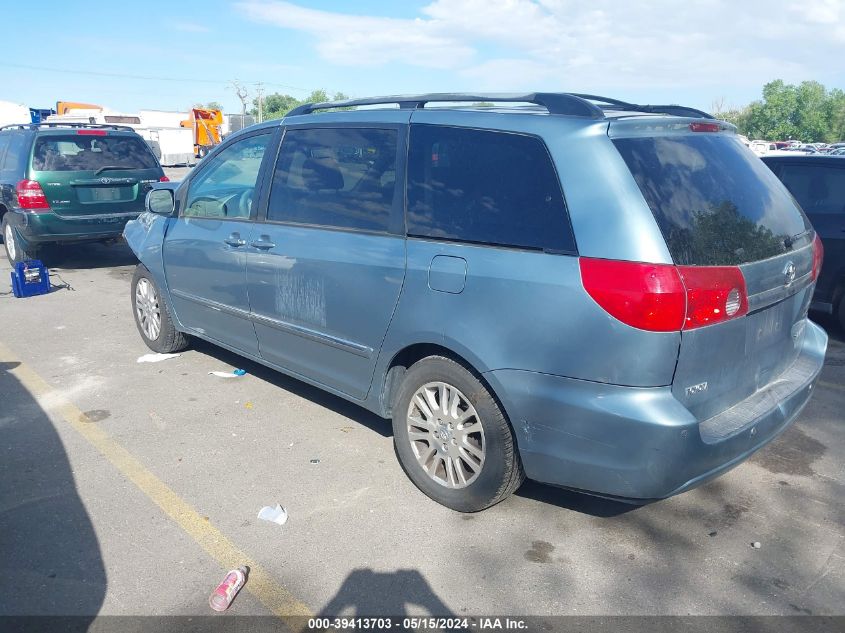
[(452, 437), (151, 315)]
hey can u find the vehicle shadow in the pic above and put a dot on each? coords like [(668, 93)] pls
[(576, 501), (50, 559), (316, 395), (86, 256), (367, 593), (831, 326)]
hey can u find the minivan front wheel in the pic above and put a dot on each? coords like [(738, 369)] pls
[(452, 438), (151, 315)]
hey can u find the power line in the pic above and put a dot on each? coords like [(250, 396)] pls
[(96, 73)]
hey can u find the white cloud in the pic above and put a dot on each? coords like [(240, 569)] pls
[(567, 44), (187, 27), (350, 40)]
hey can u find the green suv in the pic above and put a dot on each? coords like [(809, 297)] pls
[(69, 182)]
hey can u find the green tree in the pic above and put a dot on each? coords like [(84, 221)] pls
[(277, 105), (806, 112), (211, 105)]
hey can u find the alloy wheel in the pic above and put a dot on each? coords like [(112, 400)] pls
[(147, 308), (446, 435)]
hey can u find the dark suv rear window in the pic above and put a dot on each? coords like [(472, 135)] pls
[(716, 203), (78, 152), (485, 187)]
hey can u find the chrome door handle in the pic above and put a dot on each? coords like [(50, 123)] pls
[(234, 240), (264, 245)]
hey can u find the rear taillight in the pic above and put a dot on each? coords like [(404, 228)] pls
[(645, 296), (818, 256), (663, 297), (31, 198), (164, 179), (714, 294)]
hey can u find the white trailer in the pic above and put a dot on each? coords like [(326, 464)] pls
[(13, 113)]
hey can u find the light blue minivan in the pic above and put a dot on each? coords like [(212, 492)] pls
[(595, 294)]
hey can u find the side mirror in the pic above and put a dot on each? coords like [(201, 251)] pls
[(160, 202)]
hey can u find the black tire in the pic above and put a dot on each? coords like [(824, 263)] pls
[(501, 472), (169, 339), (22, 253)]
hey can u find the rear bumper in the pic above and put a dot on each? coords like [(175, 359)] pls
[(49, 227), (641, 443)]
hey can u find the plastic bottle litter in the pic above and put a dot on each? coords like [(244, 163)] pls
[(226, 591), (276, 515), (237, 373), (156, 358)]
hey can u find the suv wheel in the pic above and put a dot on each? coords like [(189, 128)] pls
[(15, 250), (151, 315), (452, 438)]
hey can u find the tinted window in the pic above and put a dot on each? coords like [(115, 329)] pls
[(4, 143), (343, 178), (715, 202), (225, 188), (818, 188), (79, 152), (17, 154), (485, 187)]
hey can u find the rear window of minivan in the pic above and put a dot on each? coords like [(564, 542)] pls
[(77, 152), (715, 202)]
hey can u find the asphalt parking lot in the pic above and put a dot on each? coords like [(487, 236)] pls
[(130, 488)]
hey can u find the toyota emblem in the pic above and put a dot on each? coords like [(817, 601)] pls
[(789, 274)]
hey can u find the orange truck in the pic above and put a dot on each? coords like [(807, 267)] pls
[(207, 126)]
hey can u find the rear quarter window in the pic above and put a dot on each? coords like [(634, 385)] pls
[(715, 202), (485, 187)]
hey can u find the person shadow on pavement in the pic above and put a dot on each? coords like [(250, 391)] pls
[(50, 558), (366, 593)]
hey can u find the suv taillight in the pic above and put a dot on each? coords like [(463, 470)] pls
[(818, 256), (31, 197), (663, 297), (164, 179)]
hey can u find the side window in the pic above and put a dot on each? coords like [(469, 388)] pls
[(226, 187), (818, 188), (335, 177), (17, 153), (485, 187), (4, 143)]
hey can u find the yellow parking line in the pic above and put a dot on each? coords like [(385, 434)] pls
[(261, 583), (831, 385)]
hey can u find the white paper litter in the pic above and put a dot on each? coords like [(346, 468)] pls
[(223, 374), (156, 358), (276, 515)]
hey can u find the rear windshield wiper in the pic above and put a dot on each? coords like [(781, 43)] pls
[(108, 167), (790, 240)]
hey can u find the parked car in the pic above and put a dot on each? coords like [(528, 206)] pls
[(598, 295), (70, 183), (818, 184)]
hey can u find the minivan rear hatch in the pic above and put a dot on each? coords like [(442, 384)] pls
[(717, 204), (90, 172)]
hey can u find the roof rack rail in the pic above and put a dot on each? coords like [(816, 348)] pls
[(70, 124), (554, 102), (674, 110)]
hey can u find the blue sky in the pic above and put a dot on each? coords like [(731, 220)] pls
[(153, 54)]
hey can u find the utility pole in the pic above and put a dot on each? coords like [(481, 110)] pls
[(259, 89)]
